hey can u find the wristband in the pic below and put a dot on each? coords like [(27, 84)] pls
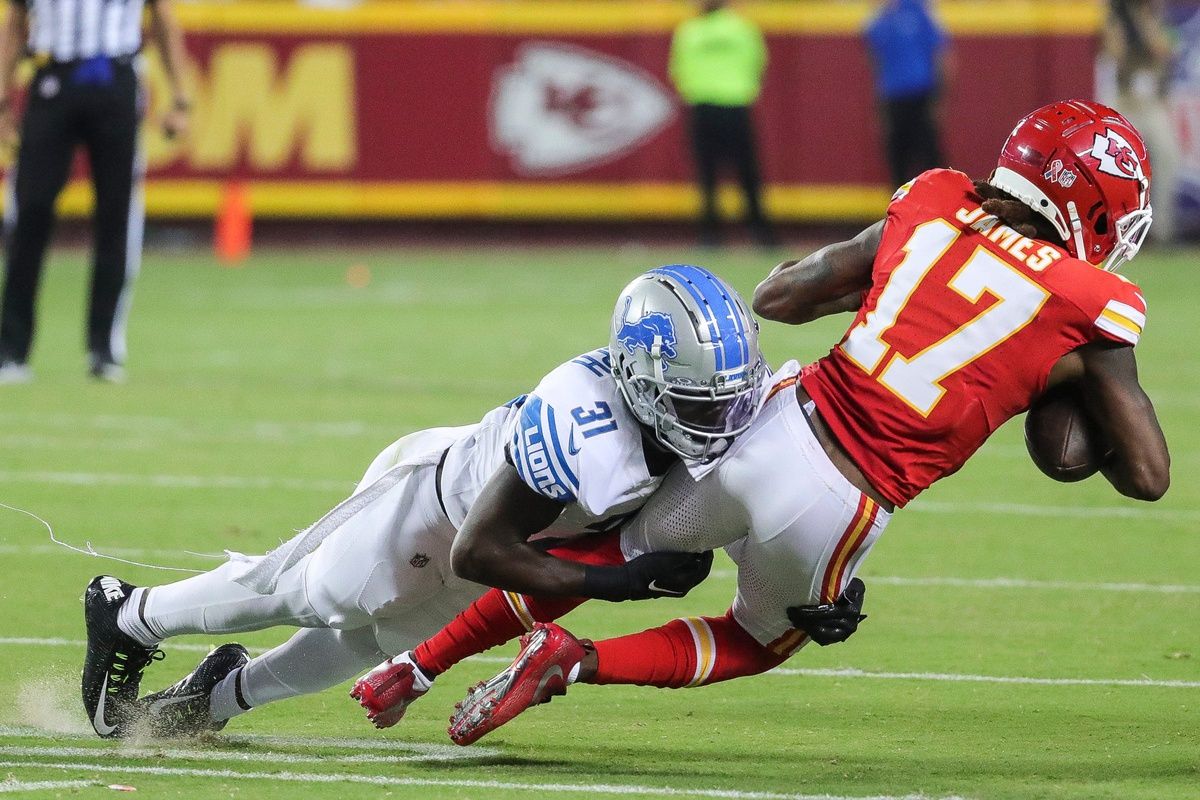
[(606, 583)]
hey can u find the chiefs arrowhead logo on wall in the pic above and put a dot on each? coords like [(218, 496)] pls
[(560, 109)]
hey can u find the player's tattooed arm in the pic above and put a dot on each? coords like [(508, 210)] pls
[(1140, 466), (493, 548), (828, 281)]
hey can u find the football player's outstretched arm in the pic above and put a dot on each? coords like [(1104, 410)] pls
[(828, 281), (493, 548), (1140, 466)]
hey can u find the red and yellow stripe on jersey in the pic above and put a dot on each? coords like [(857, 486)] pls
[(1122, 321), (516, 602), (779, 387), (849, 543)]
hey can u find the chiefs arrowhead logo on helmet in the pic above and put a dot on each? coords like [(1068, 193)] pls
[(1116, 156), (559, 109)]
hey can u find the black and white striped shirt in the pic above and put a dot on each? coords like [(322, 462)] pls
[(69, 30)]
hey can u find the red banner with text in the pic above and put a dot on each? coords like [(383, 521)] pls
[(435, 114)]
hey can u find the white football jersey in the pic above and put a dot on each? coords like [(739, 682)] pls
[(571, 439)]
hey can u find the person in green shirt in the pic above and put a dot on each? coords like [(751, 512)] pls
[(717, 64)]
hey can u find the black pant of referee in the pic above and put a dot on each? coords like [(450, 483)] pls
[(93, 103), (913, 140), (724, 135)]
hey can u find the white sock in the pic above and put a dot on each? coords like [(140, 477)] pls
[(131, 622), (313, 660), (227, 700)]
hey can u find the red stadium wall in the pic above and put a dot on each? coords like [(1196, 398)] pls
[(562, 110)]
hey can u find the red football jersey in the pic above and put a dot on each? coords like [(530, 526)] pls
[(957, 334)]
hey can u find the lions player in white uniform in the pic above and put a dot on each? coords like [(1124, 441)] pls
[(400, 557)]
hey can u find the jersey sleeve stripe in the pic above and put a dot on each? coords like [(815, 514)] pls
[(1124, 331), (853, 537), (558, 462), (1126, 311), (706, 649)]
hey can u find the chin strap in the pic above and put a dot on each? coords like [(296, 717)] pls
[(1077, 231)]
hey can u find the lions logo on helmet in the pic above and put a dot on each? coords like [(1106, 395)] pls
[(685, 356), (654, 329)]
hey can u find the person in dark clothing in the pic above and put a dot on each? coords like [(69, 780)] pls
[(85, 90), (717, 64), (908, 49)]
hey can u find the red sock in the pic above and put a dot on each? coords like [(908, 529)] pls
[(500, 616), (688, 652)]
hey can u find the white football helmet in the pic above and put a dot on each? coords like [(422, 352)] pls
[(685, 355)]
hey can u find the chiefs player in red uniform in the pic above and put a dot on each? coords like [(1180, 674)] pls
[(971, 299)]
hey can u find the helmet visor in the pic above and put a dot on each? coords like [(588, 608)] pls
[(706, 413)]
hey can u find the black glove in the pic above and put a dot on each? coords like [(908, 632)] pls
[(830, 623), (648, 576)]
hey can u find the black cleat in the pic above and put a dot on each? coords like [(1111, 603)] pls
[(182, 710), (113, 665)]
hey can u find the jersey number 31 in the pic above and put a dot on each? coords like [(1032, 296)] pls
[(916, 380)]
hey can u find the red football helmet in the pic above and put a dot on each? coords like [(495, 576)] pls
[(1085, 168)]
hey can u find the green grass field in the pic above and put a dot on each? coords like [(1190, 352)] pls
[(1026, 640)]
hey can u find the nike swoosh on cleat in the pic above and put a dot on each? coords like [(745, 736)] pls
[(98, 722), (654, 587), (551, 674), (159, 705)]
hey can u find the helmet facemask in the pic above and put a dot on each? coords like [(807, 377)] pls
[(1131, 233), (697, 423)]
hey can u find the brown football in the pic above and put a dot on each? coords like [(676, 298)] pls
[(1063, 441)]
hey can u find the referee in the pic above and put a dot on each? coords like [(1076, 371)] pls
[(85, 91), (717, 64)]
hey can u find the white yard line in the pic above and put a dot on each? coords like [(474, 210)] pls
[(389, 780), (123, 552), (1022, 583), (175, 481), (956, 678), (13, 786), (811, 673), (1036, 510), (720, 574), (1010, 583), (29, 641), (382, 744), (162, 481), (406, 753)]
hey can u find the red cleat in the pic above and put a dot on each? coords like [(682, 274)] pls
[(548, 654), (387, 691)]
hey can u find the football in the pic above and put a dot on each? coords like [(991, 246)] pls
[(1063, 441)]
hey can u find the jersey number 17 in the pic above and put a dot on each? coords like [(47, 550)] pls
[(917, 379)]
